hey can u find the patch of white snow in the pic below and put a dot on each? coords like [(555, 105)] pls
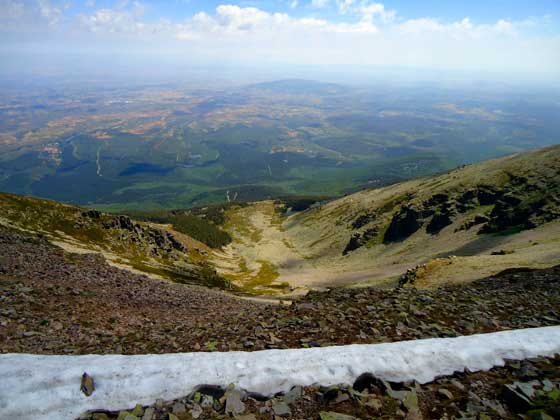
[(48, 387)]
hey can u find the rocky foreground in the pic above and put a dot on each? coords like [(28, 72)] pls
[(528, 389), (53, 302)]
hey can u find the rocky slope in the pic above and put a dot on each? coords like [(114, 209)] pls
[(125, 242), (54, 302)]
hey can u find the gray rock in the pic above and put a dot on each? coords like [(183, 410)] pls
[(149, 414), (547, 385), (495, 407), (234, 405), (178, 408), (411, 403), (196, 411), (341, 397), (527, 388), (516, 400), (281, 409), (293, 395), (457, 384)]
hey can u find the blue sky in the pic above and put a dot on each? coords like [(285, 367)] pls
[(479, 10), (504, 37)]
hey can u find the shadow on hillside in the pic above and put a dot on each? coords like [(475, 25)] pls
[(479, 246)]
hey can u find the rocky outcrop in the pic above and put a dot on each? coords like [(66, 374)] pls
[(155, 241), (354, 243), (363, 220), (517, 204), (164, 240), (511, 211), (438, 212), (92, 214), (481, 195), (404, 223), (478, 219), (122, 222), (360, 239), (440, 219)]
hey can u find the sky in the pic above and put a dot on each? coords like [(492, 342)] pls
[(509, 39)]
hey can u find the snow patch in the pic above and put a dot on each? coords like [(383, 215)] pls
[(48, 387)]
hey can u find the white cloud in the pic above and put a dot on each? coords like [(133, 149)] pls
[(320, 3), (125, 18), (460, 29), (345, 5), (230, 20), (370, 35), (51, 13), (373, 10), (365, 33), (294, 4)]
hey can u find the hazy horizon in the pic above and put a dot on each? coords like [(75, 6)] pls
[(356, 41)]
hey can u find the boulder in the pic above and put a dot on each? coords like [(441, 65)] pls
[(87, 386), (234, 405), (368, 381), (281, 409), (403, 224), (440, 220)]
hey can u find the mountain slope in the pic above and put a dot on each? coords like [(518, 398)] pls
[(469, 223), (145, 247), (55, 302)]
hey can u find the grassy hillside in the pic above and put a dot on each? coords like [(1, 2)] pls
[(123, 241), (468, 223)]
